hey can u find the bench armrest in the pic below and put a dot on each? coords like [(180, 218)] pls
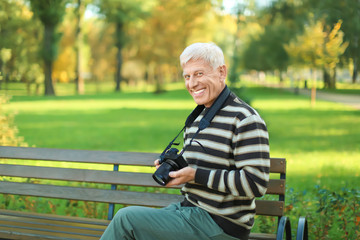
[(302, 230), (284, 227)]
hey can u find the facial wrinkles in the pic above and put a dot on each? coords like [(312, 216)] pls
[(202, 82), (197, 76)]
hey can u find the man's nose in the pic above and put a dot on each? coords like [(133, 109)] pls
[(192, 81)]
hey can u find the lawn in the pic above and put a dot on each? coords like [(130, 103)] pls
[(321, 144)]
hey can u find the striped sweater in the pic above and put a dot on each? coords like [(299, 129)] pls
[(232, 161)]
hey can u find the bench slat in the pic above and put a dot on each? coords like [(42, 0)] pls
[(262, 236), (14, 232), (70, 220), (26, 225), (264, 207), (276, 186), (90, 194), (277, 165), (87, 156), (50, 227), (79, 175), (269, 208)]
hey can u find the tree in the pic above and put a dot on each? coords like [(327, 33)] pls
[(79, 80), (307, 50), (121, 14), (334, 48), (348, 11), (165, 34), (266, 52), (18, 42), (102, 61), (281, 21), (50, 13), (318, 48), (233, 73)]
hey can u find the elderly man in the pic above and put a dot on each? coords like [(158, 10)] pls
[(228, 164)]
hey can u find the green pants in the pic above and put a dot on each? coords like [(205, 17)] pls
[(171, 223)]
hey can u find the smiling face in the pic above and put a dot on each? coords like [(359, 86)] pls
[(203, 82)]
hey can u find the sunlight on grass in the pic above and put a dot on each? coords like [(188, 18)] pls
[(321, 144), (89, 105)]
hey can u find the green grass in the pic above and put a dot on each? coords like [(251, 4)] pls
[(321, 144), (123, 122)]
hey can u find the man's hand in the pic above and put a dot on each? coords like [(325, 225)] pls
[(156, 163), (181, 176)]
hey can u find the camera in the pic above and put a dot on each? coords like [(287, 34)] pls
[(170, 161)]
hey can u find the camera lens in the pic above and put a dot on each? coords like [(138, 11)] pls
[(161, 175), (159, 179)]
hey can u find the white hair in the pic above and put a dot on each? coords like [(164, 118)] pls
[(209, 52)]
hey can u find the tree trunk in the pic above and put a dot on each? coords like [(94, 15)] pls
[(326, 77), (281, 79), (48, 62), (79, 80), (355, 70), (119, 46), (1, 74), (159, 79), (313, 88), (233, 74), (332, 83), (118, 70)]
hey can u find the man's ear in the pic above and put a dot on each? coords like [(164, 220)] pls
[(223, 72)]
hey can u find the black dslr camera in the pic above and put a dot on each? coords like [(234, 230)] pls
[(170, 161)]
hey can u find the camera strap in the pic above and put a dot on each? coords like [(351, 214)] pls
[(209, 115), (204, 122)]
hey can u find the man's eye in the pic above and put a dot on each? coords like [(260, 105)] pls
[(187, 77), (200, 74)]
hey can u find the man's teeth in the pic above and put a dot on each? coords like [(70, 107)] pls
[(199, 91)]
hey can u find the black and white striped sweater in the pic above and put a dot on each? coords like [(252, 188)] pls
[(232, 161)]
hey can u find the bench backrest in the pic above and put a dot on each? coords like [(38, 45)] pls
[(116, 174)]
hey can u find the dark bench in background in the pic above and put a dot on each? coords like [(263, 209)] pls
[(28, 180)]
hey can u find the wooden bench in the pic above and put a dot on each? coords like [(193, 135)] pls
[(69, 167)]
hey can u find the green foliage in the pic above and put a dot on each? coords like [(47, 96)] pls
[(348, 12), (331, 214), (8, 131), (266, 52), (50, 13), (18, 42)]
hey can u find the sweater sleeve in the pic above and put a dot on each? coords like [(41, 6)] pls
[(251, 156)]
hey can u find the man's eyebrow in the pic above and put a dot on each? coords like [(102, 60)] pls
[(195, 71)]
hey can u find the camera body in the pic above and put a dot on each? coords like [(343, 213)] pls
[(170, 161)]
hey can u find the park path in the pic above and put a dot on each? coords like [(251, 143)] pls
[(352, 100)]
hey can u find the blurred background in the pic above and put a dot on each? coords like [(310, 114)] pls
[(137, 42), (105, 75)]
